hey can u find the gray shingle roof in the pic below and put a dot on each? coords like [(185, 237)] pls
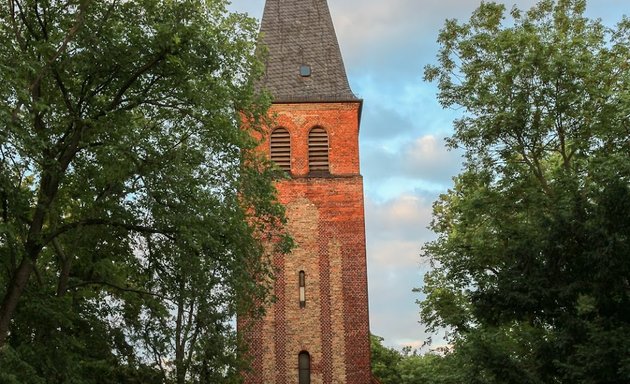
[(301, 33)]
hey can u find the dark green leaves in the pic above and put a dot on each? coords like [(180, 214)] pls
[(132, 208), (527, 245)]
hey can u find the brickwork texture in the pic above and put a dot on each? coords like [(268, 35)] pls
[(326, 220)]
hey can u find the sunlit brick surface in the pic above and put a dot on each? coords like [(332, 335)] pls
[(326, 220)]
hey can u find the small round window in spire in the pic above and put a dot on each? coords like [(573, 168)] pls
[(305, 70)]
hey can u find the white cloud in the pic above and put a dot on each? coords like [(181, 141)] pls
[(394, 313), (399, 218), (396, 230), (428, 157), (423, 161), (397, 31), (381, 122)]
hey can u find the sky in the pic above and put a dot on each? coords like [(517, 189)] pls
[(404, 162)]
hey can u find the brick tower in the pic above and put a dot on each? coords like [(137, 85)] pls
[(317, 331)]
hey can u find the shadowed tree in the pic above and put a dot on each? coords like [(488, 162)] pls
[(531, 267), (132, 205)]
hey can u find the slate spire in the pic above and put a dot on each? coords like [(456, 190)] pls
[(304, 63)]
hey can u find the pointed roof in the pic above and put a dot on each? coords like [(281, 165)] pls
[(304, 62)]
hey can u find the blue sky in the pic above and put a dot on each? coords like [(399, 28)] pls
[(385, 45)]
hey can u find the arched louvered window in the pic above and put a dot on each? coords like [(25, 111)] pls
[(304, 362), (318, 150), (281, 148)]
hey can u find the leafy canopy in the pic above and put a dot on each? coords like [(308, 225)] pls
[(531, 267), (133, 207), (391, 366)]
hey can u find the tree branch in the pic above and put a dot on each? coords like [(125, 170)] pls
[(168, 232), (69, 36), (119, 288), (134, 77), (63, 89), (23, 18), (41, 22), (16, 31), (64, 275)]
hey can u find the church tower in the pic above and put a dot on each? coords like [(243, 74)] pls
[(317, 331)]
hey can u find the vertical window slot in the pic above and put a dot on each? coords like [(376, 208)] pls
[(302, 289)]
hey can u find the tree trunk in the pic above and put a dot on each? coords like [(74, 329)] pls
[(66, 263), (47, 191), (180, 372), (14, 292)]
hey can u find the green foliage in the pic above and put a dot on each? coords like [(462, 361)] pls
[(391, 366), (430, 369), (531, 264), (385, 361), (133, 205)]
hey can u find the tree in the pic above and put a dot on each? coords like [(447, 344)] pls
[(391, 366), (133, 206), (431, 368), (531, 267), (384, 361)]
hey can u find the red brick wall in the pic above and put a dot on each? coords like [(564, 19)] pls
[(326, 219)]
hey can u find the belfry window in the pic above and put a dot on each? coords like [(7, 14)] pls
[(318, 150), (281, 148), (302, 289), (304, 363)]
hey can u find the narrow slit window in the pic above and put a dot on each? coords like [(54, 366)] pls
[(304, 363), (318, 151), (302, 289), (281, 148)]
